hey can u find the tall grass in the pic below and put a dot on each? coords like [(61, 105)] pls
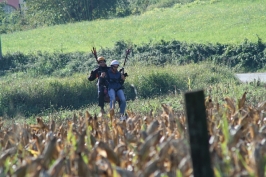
[(24, 96), (27, 96), (200, 22)]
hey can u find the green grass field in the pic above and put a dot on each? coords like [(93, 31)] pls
[(200, 22)]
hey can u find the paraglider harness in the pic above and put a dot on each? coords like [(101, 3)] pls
[(122, 71)]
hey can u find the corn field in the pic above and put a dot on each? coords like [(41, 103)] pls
[(152, 145)]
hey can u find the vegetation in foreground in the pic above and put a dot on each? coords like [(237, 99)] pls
[(154, 143)]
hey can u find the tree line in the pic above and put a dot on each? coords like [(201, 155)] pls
[(39, 13)]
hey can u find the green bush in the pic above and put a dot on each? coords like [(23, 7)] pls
[(32, 96), (158, 83)]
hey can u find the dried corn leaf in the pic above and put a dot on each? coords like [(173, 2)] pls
[(242, 101), (230, 104)]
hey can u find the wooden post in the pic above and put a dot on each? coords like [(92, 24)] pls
[(198, 134), (0, 48)]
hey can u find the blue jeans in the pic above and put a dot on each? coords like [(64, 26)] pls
[(121, 96)]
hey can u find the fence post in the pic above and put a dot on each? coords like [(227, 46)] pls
[(198, 134), (1, 48)]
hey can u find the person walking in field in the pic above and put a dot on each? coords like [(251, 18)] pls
[(99, 73), (115, 81)]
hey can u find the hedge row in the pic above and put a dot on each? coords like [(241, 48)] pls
[(246, 57)]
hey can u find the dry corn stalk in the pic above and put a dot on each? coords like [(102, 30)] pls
[(144, 145)]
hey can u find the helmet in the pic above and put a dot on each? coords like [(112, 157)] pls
[(114, 62), (100, 59)]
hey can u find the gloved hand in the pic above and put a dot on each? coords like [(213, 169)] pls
[(122, 69)]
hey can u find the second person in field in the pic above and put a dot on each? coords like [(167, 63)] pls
[(115, 80)]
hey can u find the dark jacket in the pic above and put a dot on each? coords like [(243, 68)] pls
[(97, 72), (113, 80)]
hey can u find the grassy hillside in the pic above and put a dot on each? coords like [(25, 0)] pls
[(201, 22), (55, 81)]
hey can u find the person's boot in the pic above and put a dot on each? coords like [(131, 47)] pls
[(123, 117)]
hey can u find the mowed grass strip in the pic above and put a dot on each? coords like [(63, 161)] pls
[(200, 22)]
